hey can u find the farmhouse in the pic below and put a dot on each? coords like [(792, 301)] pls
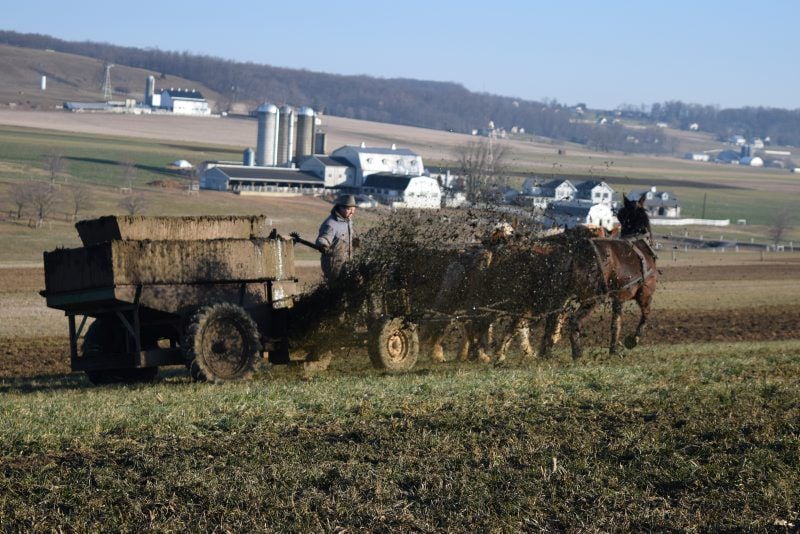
[(541, 194), (658, 203)]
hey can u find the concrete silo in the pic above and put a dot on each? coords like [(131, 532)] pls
[(286, 136), (305, 132), (267, 141), (149, 90)]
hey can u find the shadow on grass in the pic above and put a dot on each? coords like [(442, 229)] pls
[(78, 380), (149, 168)]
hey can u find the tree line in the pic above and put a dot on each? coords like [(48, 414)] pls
[(428, 104)]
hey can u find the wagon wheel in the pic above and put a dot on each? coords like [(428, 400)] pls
[(222, 343), (394, 345), (105, 337)]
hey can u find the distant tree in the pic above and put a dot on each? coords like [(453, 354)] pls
[(55, 164), (81, 199), (482, 162), (21, 197), (134, 204), (43, 197), (127, 174), (781, 224)]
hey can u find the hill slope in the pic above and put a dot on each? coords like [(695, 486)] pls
[(72, 77)]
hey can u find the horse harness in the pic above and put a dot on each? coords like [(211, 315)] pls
[(635, 242)]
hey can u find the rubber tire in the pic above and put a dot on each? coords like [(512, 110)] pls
[(222, 343), (106, 335), (394, 345)]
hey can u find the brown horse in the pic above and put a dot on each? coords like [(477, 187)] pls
[(620, 269)]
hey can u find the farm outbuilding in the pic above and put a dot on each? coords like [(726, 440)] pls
[(404, 191), (264, 180), (333, 171)]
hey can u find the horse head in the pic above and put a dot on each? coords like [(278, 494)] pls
[(633, 217)]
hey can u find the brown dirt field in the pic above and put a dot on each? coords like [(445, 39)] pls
[(26, 355), (30, 357)]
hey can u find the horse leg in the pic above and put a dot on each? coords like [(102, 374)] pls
[(523, 330), (437, 351), (643, 299), (463, 346), (480, 336), (575, 323), (616, 325), (551, 334)]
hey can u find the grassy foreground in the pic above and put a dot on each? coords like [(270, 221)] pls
[(701, 437)]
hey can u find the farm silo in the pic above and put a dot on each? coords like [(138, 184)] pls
[(267, 141), (149, 90), (305, 132), (248, 158), (286, 136), (320, 142)]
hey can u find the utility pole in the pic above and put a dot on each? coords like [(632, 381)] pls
[(704, 206)]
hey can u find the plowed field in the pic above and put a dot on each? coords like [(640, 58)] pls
[(33, 339)]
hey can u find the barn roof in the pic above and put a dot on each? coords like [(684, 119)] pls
[(272, 174)]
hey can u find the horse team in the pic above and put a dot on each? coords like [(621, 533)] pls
[(558, 280)]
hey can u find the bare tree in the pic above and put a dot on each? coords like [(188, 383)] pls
[(134, 204), (780, 225), (43, 198), (21, 197), (55, 164), (482, 162), (127, 174), (81, 198)]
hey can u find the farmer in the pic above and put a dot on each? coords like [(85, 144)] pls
[(336, 239)]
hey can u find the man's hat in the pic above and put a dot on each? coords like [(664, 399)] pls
[(346, 201)]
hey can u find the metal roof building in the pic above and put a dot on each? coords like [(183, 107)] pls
[(265, 180)]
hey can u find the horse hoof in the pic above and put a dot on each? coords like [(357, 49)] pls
[(631, 342)]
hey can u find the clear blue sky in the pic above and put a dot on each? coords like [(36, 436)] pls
[(604, 53)]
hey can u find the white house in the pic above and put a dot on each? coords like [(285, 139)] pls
[(657, 203), (590, 191), (376, 160), (404, 191)]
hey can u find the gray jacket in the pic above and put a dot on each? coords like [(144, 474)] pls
[(336, 239)]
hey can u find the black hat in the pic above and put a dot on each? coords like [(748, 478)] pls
[(346, 201)]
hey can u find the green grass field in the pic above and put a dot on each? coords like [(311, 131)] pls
[(674, 437), (679, 438)]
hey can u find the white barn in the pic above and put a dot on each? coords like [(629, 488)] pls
[(375, 160), (420, 192), (184, 102)]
